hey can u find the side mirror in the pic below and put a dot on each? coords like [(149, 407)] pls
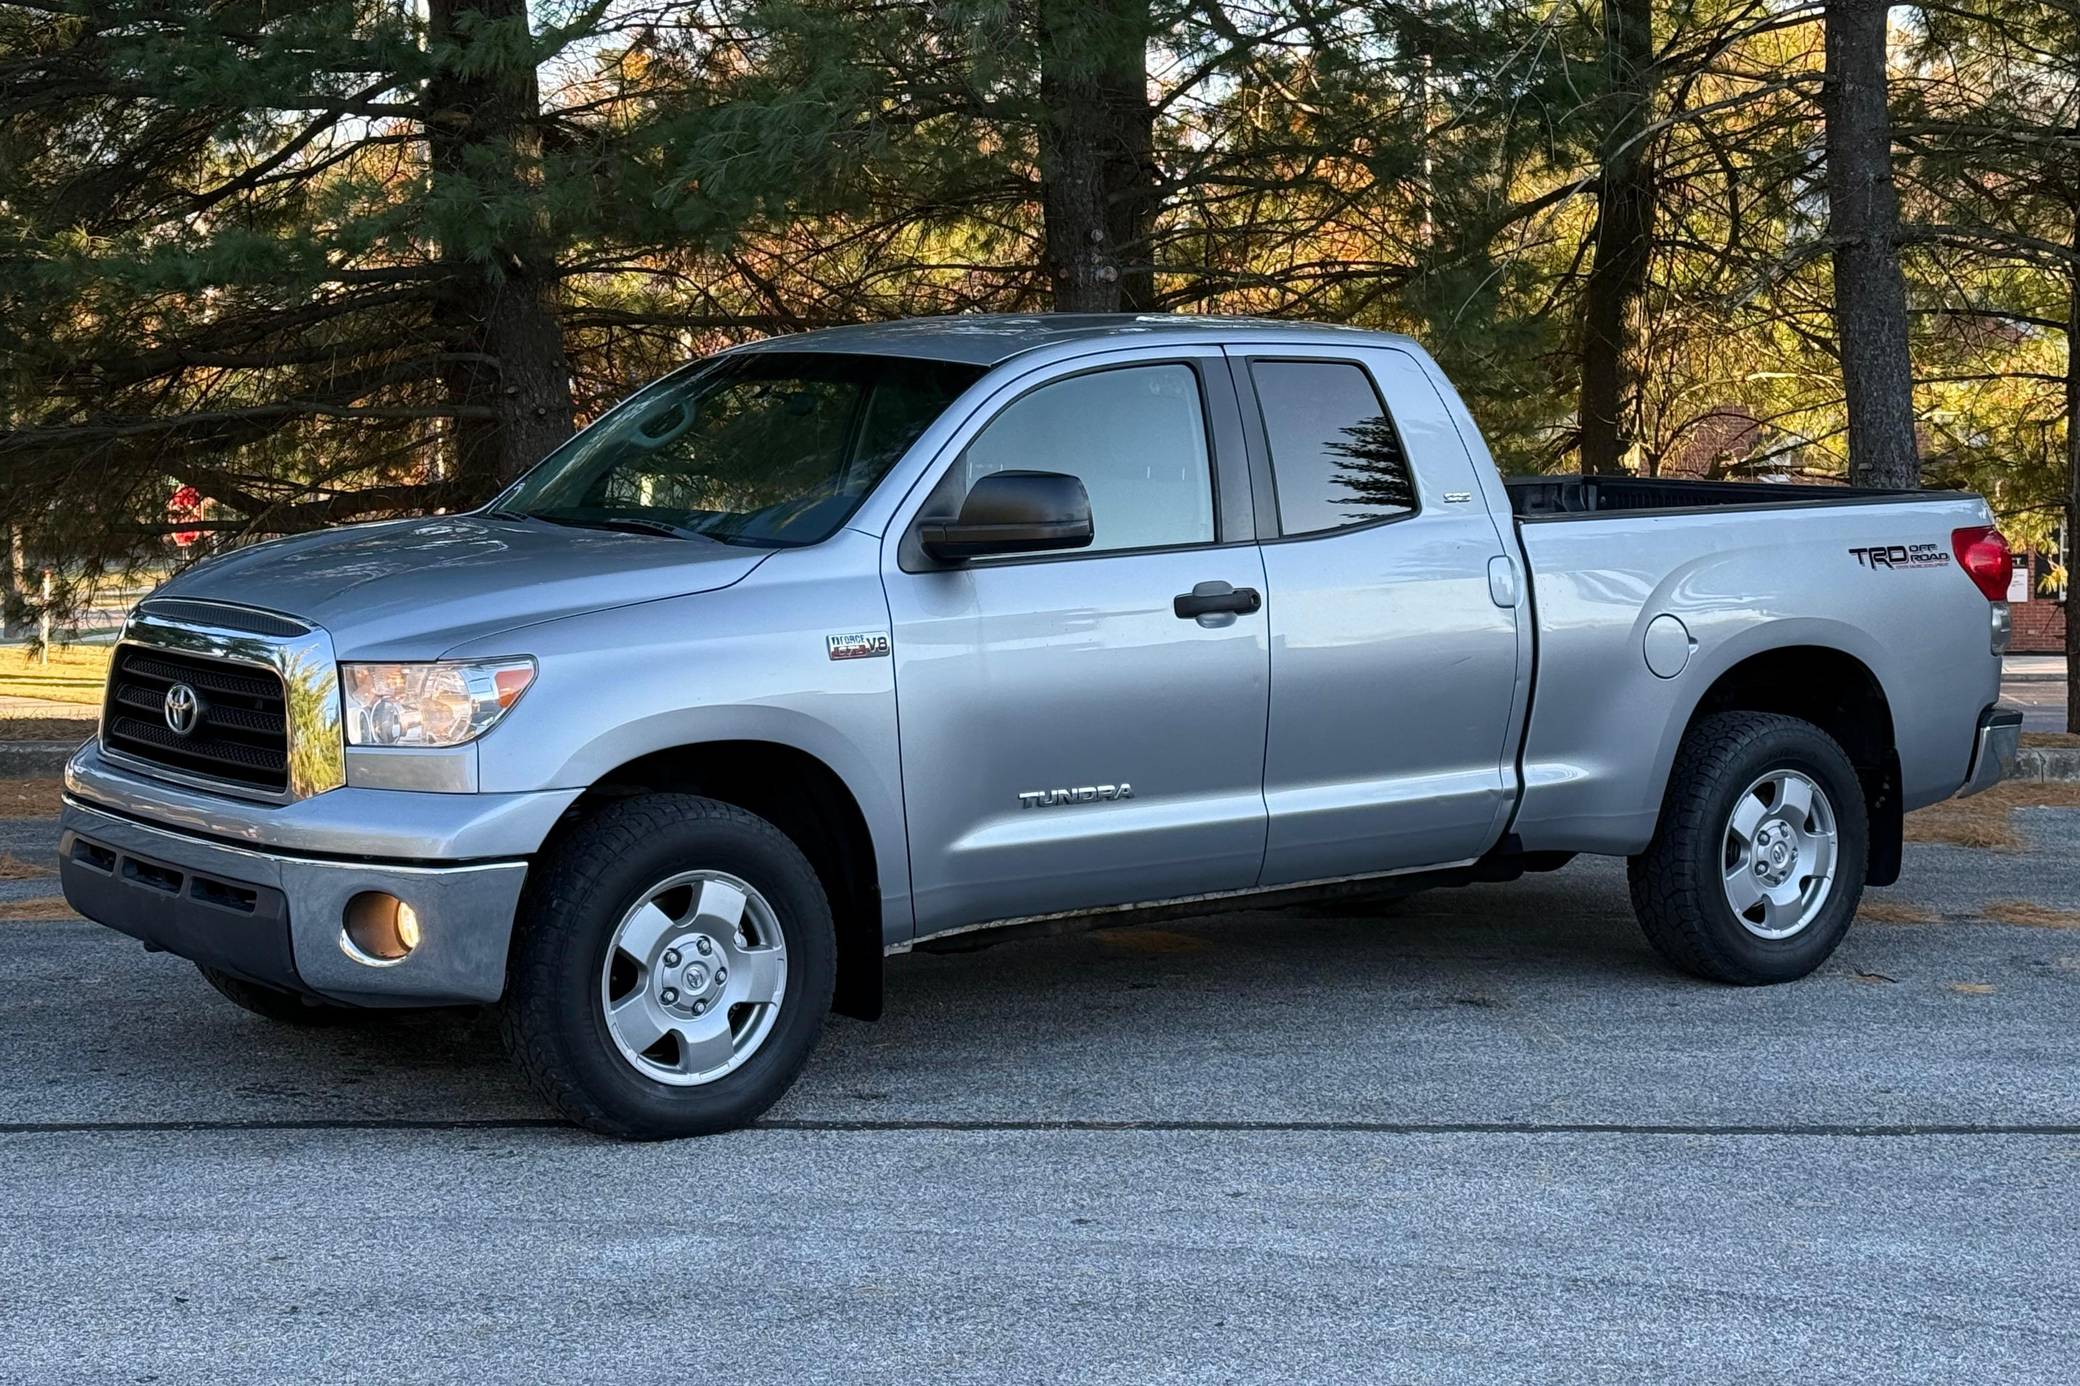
[(1013, 512)]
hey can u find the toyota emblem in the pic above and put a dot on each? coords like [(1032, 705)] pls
[(183, 709)]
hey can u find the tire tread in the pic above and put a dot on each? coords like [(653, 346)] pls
[(1665, 883), (565, 883)]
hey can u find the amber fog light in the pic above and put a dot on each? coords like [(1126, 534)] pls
[(380, 928)]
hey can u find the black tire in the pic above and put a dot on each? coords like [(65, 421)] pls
[(1678, 889), (553, 1019), (282, 1007)]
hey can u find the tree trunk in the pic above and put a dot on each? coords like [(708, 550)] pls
[(499, 311), (1870, 294), (2072, 525), (1624, 237), (1097, 154), (14, 624)]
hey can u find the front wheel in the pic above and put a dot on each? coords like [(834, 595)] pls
[(671, 968), (1758, 861)]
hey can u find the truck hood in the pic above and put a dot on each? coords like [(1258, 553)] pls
[(414, 589)]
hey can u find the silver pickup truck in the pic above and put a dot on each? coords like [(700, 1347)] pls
[(830, 647)]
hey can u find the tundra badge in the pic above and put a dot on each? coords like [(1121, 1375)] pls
[(1086, 794)]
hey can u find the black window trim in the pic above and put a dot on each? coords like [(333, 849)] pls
[(1226, 453), (1270, 526)]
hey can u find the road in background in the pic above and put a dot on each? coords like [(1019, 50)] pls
[(1483, 1136), (2037, 685)]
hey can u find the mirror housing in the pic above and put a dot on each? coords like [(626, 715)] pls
[(1013, 512)]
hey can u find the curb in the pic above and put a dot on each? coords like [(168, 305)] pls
[(2047, 763), (19, 758)]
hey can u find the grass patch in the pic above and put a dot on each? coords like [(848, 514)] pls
[(1892, 912), (1986, 820), (2030, 916), (30, 798), (2051, 740), (73, 674), (28, 911)]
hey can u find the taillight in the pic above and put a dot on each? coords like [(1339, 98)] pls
[(1983, 554)]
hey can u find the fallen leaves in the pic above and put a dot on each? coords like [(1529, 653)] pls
[(15, 869), (2028, 915), (29, 911), (29, 798), (1987, 820)]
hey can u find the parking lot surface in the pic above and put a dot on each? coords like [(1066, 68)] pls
[(1481, 1135)]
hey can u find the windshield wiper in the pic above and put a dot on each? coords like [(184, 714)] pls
[(630, 524)]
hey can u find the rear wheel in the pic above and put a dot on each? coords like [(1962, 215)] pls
[(672, 966), (1758, 861)]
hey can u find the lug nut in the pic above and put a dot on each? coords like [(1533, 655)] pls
[(705, 946), (722, 974), (671, 957), (699, 1006), (669, 995)]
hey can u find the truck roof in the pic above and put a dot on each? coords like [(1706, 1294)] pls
[(984, 339)]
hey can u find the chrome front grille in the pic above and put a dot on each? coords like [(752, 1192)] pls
[(240, 731), (264, 689)]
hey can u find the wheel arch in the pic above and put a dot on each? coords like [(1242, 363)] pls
[(1839, 693), (806, 799)]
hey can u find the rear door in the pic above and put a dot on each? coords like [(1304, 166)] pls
[(1070, 739), (1394, 649)]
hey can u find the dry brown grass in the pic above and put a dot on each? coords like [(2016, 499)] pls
[(15, 869), (2051, 739), (27, 911), (30, 798), (1892, 912), (1985, 820), (2029, 915), (1971, 988), (67, 729)]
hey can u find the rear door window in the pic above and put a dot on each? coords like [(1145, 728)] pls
[(1336, 458)]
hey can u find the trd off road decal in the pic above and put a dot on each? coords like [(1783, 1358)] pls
[(863, 645), (1893, 556)]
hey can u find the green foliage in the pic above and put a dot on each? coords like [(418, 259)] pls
[(259, 247)]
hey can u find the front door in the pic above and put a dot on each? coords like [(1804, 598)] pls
[(1069, 739)]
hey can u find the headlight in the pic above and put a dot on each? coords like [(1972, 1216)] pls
[(429, 704)]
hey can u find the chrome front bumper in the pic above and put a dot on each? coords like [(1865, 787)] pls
[(262, 889), (278, 919), (1993, 753)]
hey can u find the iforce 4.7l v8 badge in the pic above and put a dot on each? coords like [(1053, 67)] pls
[(861, 645)]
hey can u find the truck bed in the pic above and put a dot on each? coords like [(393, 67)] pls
[(1583, 497)]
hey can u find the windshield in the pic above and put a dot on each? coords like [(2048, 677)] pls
[(765, 448)]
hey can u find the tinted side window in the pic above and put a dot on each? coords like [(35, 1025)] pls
[(1135, 436), (1335, 456)]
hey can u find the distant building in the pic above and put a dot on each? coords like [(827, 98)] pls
[(2040, 616)]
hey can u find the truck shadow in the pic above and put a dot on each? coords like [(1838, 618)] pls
[(1100, 1012)]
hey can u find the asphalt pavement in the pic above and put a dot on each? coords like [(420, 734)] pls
[(1480, 1136), (2037, 685)]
